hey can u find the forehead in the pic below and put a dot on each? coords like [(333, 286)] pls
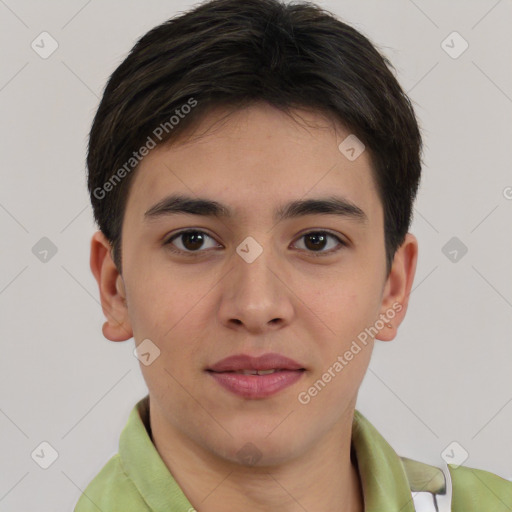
[(253, 157)]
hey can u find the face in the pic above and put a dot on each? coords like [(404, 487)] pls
[(303, 285)]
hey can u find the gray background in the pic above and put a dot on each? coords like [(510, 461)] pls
[(445, 378)]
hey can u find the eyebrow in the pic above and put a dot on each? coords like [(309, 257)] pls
[(332, 205)]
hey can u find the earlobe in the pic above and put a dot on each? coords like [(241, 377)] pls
[(398, 286), (112, 290)]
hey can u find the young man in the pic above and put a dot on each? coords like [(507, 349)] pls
[(252, 169)]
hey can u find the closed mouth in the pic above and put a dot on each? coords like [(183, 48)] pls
[(260, 372)]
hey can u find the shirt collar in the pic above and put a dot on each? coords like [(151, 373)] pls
[(144, 466), (383, 478)]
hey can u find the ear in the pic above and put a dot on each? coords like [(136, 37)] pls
[(397, 288), (112, 290)]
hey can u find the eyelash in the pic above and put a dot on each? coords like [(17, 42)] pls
[(173, 249)]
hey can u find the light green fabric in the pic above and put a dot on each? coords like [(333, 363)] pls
[(478, 490), (136, 479)]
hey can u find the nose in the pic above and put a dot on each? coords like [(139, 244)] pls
[(255, 295)]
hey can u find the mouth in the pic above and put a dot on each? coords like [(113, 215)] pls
[(254, 385), (259, 372), (250, 365), (260, 377)]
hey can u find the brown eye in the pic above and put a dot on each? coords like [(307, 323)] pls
[(317, 241), (191, 241)]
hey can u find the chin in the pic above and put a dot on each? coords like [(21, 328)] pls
[(262, 449)]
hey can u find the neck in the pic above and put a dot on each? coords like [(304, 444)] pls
[(323, 478)]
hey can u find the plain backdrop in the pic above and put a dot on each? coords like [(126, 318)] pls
[(447, 375)]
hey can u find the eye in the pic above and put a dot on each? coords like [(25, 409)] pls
[(192, 240), (315, 241)]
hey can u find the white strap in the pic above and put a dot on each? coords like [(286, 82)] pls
[(427, 502), (444, 501)]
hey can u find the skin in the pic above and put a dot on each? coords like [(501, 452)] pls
[(200, 309)]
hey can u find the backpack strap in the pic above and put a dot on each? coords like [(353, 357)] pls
[(431, 486)]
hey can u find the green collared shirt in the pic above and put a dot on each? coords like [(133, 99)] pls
[(136, 478)]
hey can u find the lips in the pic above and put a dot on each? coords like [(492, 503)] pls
[(248, 365), (256, 377)]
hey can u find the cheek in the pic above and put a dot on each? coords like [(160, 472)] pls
[(161, 299), (344, 350), (345, 305), (176, 316)]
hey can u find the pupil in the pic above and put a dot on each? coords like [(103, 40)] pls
[(320, 241), (196, 239)]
